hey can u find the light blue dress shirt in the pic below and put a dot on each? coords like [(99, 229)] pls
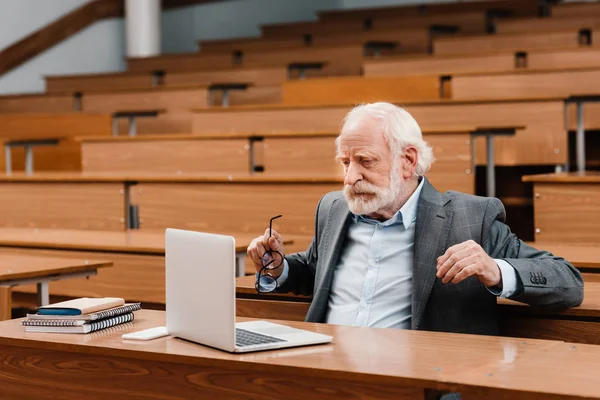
[(372, 283)]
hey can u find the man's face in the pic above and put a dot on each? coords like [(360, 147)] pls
[(370, 181)]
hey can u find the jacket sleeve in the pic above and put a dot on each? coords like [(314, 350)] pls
[(302, 266), (545, 280)]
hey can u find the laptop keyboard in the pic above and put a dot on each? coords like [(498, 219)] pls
[(249, 338)]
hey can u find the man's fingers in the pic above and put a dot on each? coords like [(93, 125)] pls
[(465, 273), (449, 252), (458, 267), (450, 261)]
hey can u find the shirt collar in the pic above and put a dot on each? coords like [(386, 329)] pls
[(406, 215)]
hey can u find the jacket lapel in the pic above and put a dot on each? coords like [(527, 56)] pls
[(338, 222), (432, 227)]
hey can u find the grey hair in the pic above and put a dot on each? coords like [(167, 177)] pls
[(399, 128)]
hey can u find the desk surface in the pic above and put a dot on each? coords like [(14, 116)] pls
[(582, 256), (565, 177), (142, 242), (16, 266), (381, 360)]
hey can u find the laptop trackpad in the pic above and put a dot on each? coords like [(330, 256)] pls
[(268, 328)]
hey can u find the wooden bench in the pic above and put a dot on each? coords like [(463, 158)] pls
[(138, 273), (120, 201), (17, 270), (473, 22), (542, 142), (522, 8), (583, 256), (51, 135), (566, 207), (342, 60), (168, 98), (527, 25), (264, 154), (526, 84), (71, 84), (346, 90), (503, 61), (36, 103), (513, 42), (579, 324), (393, 41), (581, 9)]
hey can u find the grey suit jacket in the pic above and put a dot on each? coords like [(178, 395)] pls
[(443, 220)]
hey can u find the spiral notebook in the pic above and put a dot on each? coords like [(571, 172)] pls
[(87, 327), (81, 319), (81, 306)]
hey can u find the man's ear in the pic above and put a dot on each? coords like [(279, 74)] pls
[(410, 161)]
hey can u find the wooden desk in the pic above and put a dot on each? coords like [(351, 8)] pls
[(585, 257), (138, 257), (360, 363), (566, 207), (18, 270), (580, 324)]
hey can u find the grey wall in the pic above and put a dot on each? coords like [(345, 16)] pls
[(100, 47)]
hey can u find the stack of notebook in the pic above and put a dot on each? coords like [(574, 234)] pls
[(83, 315)]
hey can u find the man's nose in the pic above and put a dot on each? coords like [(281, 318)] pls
[(353, 174)]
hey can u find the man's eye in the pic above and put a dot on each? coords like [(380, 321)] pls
[(367, 163), (345, 163)]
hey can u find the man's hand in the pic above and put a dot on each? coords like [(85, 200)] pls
[(259, 246), (468, 259)]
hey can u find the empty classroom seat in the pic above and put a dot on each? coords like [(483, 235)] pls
[(345, 90), (513, 42), (505, 61)]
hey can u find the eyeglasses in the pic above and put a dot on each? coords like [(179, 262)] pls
[(271, 260)]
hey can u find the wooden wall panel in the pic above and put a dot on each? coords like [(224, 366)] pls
[(157, 99), (526, 85), (210, 157), (567, 212), (355, 90), (507, 42), (230, 207), (98, 206)]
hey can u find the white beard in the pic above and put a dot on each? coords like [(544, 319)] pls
[(379, 197)]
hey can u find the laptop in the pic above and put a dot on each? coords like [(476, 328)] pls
[(200, 276)]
